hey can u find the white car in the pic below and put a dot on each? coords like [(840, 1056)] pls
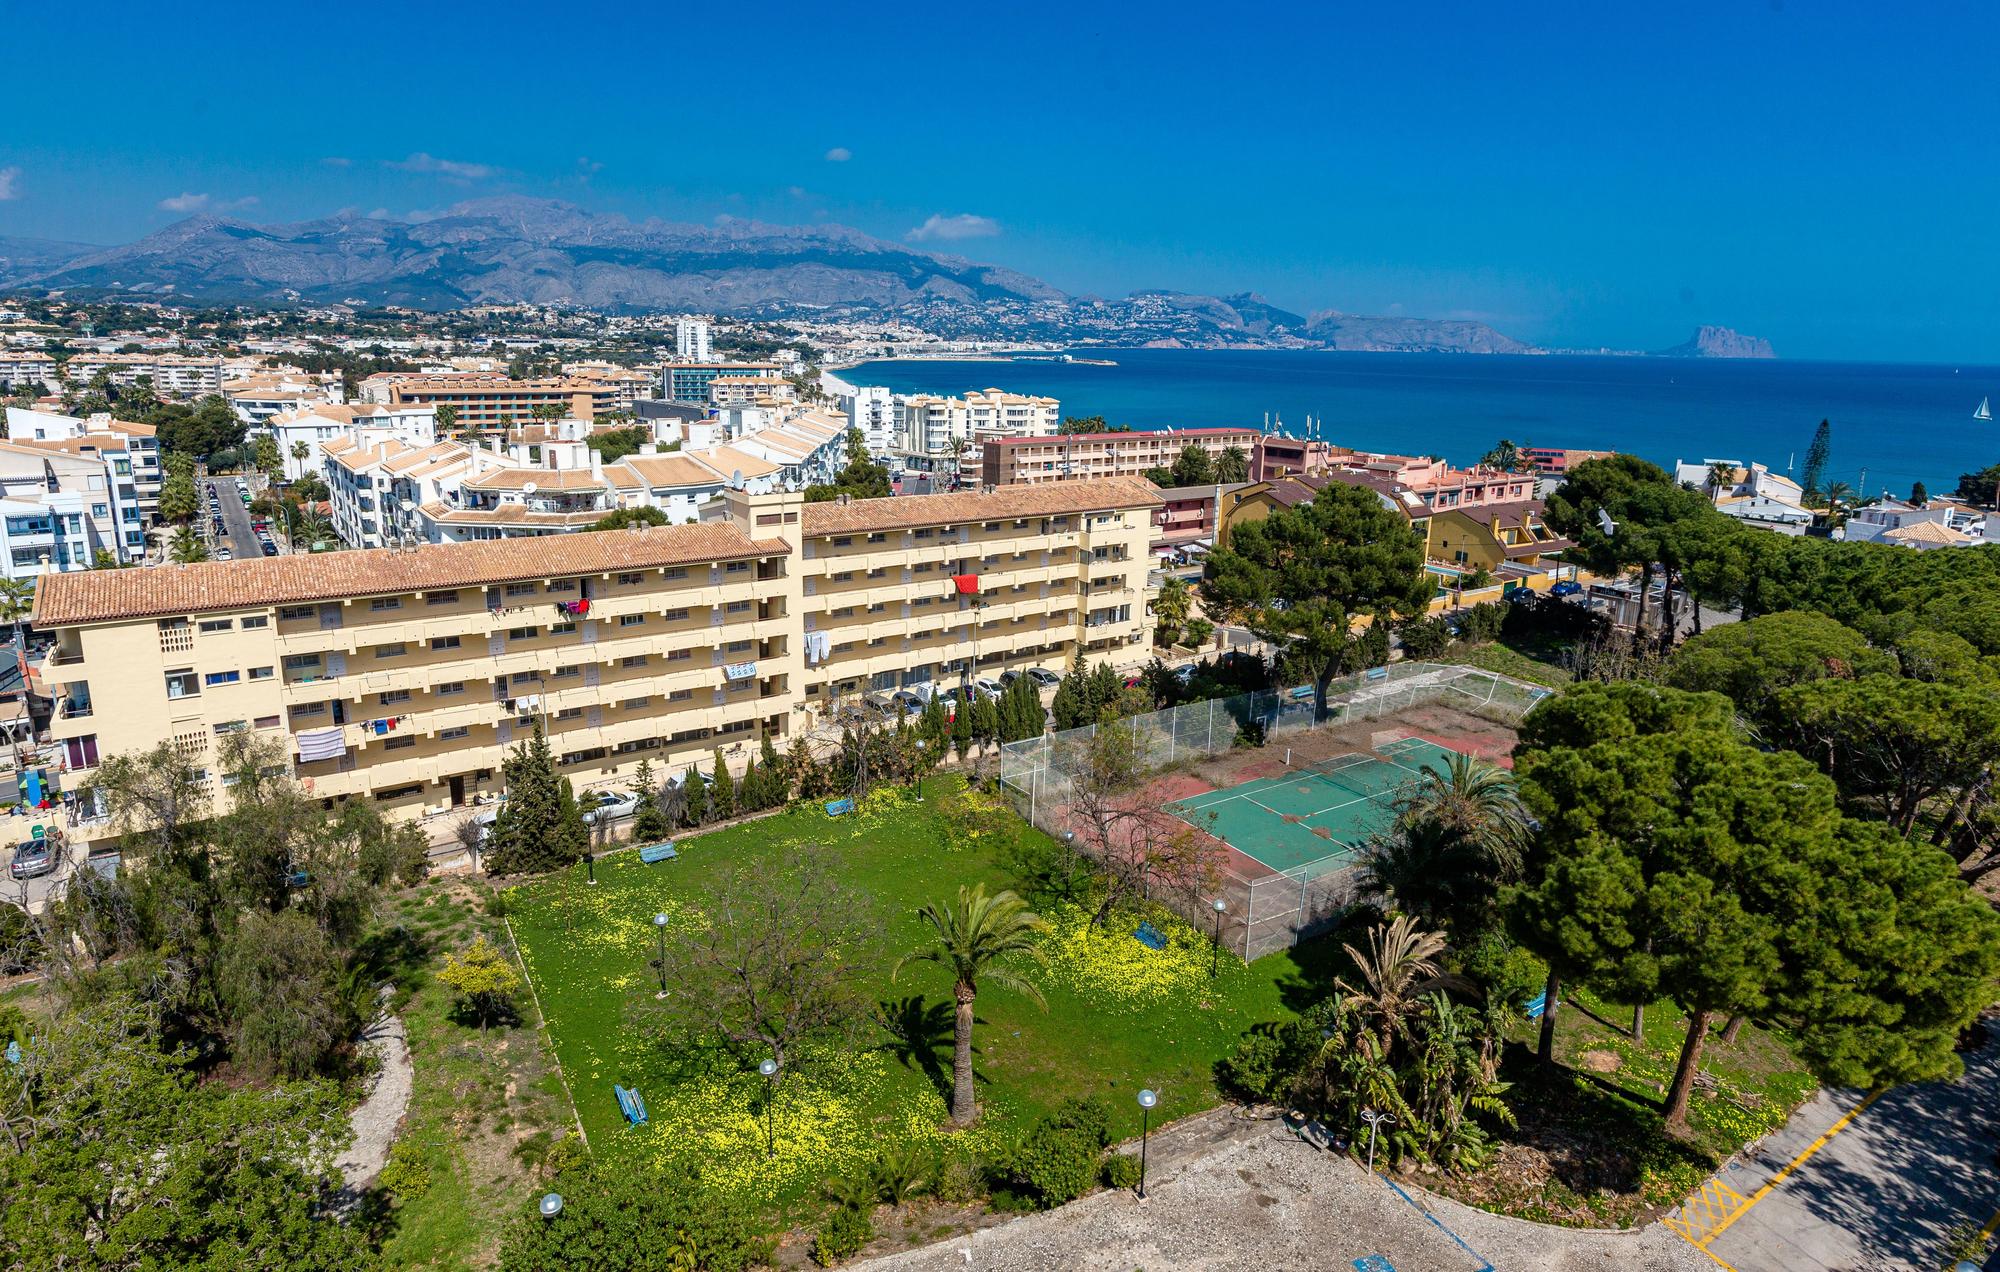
[(1043, 677), (608, 806), (990, 688)]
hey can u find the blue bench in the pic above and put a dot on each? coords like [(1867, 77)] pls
[(630, 1104), (836, 807), (1373, 1263), (298, 879), (1376, 673), (1303, 693), (1537, 1005), (1149, 936), (653, 854)]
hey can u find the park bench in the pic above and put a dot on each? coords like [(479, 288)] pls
[(1373, 1263), (653, 854), (1537, 1005), (1376, 673), (630, 1104), (836, 807), (1149, 936)]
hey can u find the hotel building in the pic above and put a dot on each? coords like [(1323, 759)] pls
[(488, 401), (1008, 461), (403, 676)]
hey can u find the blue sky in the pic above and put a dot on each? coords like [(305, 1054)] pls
[(1824, 174)]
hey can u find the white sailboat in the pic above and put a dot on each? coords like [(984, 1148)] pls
[(1985, 411)]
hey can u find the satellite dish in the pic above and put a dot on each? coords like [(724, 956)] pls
[(1604, 520), (529, 489)]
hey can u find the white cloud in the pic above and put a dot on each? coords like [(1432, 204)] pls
[(950, 229), (797, 192), (186, 203), (337, 161), (839, 154), (10, 184), (451, 169)]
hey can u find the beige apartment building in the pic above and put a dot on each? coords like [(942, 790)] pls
[(1010, 461), (488, 401), (403, 676)]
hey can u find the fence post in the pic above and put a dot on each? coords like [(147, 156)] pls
[(1210, 747)]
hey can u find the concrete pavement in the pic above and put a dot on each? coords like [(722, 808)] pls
[(1854, 1183)]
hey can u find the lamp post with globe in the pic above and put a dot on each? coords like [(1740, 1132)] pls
[(1147, 1099)]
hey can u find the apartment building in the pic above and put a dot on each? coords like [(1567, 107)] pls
[(691, 340), (1556, 461), (172, 375), (403, 676), (27, 369), (1008, 461), (127, 452), (303, 434), (66, 500), (627, 386), (690, 381), (749, 390), (258, 397), (489, 401), (938, 426)]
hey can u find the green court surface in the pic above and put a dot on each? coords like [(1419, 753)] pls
[(1316, 817)]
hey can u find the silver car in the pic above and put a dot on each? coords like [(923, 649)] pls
[(33, 859)]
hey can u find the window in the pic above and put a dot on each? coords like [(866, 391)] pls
[(386, 603), (449, 687), (520, 589), (631, 620), (737, 567), (262, 673), (393, 696), (399, 744), (290, 613), (634, 704), (268, 722), (680, 695), (309, 709), (562, 629), (843, 576), (737, 607), (444, 642), (563, 585), (565, 673), (737, 646), (673, 615), (925, 534), (925, 568), (398, 792), (217, 624), (878, 538), (570, 713), (630, 580), (251, 622), (214, 678), (454, 734), (676, 572), (440, 598), (182, 684), (226, 727), (524, 677), (679, 655), (389, 651), (843, 541), (523, 633), (635, 660)]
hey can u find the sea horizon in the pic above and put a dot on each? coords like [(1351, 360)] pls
[(1897, 423)]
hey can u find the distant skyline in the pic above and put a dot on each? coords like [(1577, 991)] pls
[(1824, 175)]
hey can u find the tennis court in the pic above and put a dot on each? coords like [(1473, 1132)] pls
[(1317, 814)]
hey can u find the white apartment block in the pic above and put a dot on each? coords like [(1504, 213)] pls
[(944, 426), (872, 409), (28, 369), (131, 450), (302, 434), (66, 500), (257, 398), (172, 376), (691, 339)]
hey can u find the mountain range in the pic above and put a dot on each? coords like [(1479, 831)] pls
[(515, 249)]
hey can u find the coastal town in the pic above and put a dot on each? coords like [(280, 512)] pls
[(523, 699)]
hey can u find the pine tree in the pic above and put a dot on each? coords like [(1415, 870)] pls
[(750, 795), (1816, 457), (722, 791), (532, 831), (1071, 705), (1103, 690), (1020, 711), (933, 726), (697, 798), (1919, 495), (649, 822), (961, 728)]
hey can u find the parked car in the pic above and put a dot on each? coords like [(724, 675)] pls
[(224, 554), (1043, 677), (1568, 587), (33, 858), (270, 548), (608, 806), (991, 688), (908, 701), (882, 704)]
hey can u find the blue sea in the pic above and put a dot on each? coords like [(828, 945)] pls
[(1898, 424)]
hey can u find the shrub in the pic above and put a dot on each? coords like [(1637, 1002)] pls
[(406, 1174), (636, 1220), (1058, 1158), (1503, 969), (960, 1179), (1267, 1060), (1482, 622), (1121, 1170), (1424, 637), (841, 1236), (1251, 733)]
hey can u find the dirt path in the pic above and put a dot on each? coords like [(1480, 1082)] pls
[(1227, 1194), (376, 1119)]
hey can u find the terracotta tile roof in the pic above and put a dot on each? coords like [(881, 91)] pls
[(1925, 532), (97, 596), (543, 479), (727, 460), (1044, 499), (672, 470), (1140, 436), (412, 460)]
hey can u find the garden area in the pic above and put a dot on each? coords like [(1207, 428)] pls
[(1114, 1015)]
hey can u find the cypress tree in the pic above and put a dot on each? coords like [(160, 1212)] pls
[(649, 822), (697, 798), (750, 795), (539, 827), (722, 791), (1103, 690), (1816, 457), (1071, 705), (777, 786), (801, 774)]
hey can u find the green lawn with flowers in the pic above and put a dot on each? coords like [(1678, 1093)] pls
[(1120, 1016)]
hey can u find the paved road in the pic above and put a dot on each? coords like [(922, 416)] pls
[(237, 534), (1878, 1188)]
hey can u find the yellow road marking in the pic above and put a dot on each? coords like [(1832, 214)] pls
[(1709, 1205), (1791, 1166), (1991, 1224)]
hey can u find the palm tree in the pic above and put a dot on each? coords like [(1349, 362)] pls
[(1721, 477), (1399, 968), (186, 548), (313, 526), (973, 937), (1423, 866), (17, 598), (1477, 800), (1505, 456)]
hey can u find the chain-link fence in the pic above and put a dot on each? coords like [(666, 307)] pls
[(1267, 911)]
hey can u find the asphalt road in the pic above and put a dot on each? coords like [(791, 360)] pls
[(1878, 1188), (237, 534)]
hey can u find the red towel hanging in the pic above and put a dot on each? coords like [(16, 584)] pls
[(968, 584)]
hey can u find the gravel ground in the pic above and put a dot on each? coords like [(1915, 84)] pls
[(1229, 1194), (377, 1117)]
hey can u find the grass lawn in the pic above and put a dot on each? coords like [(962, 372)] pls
[(1534, 662), (485, 1107), (1120, 1016), (1592, 1150)]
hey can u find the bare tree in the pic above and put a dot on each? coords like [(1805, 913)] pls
[(772, 961), (1121, 821), (469, 835)]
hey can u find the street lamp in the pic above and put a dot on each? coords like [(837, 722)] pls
[(1147, 1099), (1215, 956), (920, 770), (1374, 1121), (769, 1068), (551, 1205), (590, 855), (660, 926)]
